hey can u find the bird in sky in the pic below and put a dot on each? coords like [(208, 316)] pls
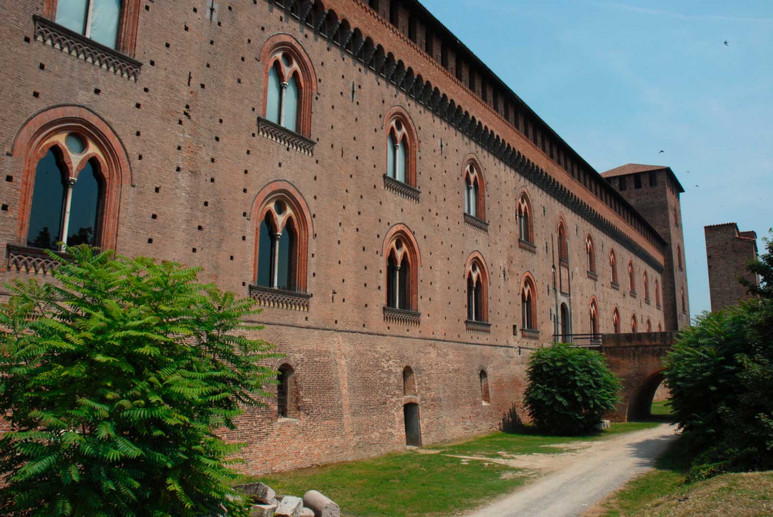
[(661, 151), (727, 43)]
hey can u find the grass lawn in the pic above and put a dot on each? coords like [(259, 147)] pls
[(665, 492), (661, 408), (428, 483)]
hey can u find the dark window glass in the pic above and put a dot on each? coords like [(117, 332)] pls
[(391, 270), (264, 254), (653, 179), (47, 202), (286, 258), (85, 207), (637, 181), (405, 271), (623, 183), (470, 299)]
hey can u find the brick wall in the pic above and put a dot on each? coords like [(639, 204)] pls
[(188, 130), (728, 253)]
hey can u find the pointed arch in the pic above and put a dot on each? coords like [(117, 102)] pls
[(403, 260), (590, 253), (279, 212), (529, 304), (613, 267), (402, 146), (525, 217), (594, 316), (477, 277), (289, 83), (616, 321), (475, 188)]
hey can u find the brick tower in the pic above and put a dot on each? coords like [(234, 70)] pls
[(654, 191), (728, 252)]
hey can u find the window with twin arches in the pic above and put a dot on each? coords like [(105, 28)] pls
[(477, 289), (74, 171), (525, 223), (401, 147), (402, 265), (474, 191), (290, 82), (283, 225)]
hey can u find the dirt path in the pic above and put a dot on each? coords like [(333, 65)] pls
[(579, 479)]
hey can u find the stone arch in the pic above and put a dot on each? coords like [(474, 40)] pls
[(409, 383), (641, 398), (47, 129)]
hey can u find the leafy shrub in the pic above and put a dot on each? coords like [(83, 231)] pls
[(114, 380), (720, 373), (570, 389)]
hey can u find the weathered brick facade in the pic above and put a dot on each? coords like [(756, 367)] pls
[(192, 164), (728, 253)]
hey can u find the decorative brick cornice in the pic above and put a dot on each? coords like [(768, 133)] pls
[(476, 223), (402, 189), (481, 327), (78, 45), (286, 137), (402, 316), (31, 260), (526, 245), (415, 86), (593, 275), (615, 286), (279, 299)]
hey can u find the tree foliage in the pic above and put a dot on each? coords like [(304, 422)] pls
[(570, 389), (720, 373), (114, 379)]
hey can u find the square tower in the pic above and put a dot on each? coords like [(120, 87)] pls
[(654, 190), (728, 253)]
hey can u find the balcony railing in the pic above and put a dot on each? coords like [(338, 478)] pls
[(402, 189), (402, 316), (581, 340), (78, 45), (280, 299), (284, 136), (31, 260), (476, 223), (481, 327)]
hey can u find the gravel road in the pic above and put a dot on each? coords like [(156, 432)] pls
[(580, 480)]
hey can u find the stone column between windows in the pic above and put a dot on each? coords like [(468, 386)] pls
[(275, 259), (66, 211), (282, 93), (397, 286)]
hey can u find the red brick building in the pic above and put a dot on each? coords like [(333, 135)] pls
[(410, 226), (729, 252)]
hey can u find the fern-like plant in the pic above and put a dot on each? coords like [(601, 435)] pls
[(114, 379)]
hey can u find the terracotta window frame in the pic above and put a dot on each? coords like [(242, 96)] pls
[(590, 255), (616, 321), (563, 243), (613, 266), (47, 130), (473, 175), (399, 125), (525, 216), (126, 43), (476, 272), (401, 244), (296, 213), (301, 67), (593, 313), (529, 310)]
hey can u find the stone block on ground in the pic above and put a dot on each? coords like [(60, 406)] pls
[(289, 506), (321, 505), (307, 512), (603, 425), (259, 492), (263, 510)]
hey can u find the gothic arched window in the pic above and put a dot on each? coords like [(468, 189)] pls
[(525, 228), (474, 192), (477, 291), (646, 288), (528, 304), (591, 254), (631, 278), (401, 147), (613, 266), (290, 82), (282, 234), (563, 244), (616, 321), (594, 317)]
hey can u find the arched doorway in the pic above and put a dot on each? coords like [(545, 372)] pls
[(412, 425)]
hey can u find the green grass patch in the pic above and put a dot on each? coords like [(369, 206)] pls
[(430, 483), (668, 479), (410, 484), (530, 441), (661, 408)]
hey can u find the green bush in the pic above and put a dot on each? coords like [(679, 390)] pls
[(570, 389), (720, 373), (114, 380)]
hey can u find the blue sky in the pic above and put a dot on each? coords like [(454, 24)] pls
[(620, 80)]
